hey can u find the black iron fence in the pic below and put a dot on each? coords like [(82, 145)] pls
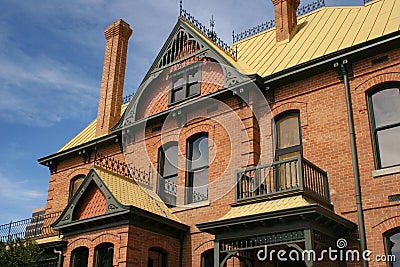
[(289, 175), (35, 227)]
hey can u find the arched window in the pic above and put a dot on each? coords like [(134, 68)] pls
[(392, 246), (197, 169), (384, 110), (79, 257), (168, 172), (157, 258), (104, 254), (75, 183)]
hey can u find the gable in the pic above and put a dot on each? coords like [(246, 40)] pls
[(185, 47), (93, 199), (91, 205)]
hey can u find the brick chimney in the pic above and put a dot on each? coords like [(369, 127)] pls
[(285, 19), (112, 82)]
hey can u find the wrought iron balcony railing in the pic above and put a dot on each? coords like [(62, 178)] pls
[(280, 177), (35, 227)]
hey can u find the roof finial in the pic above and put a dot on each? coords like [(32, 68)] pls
[(180, 8), (212, 25)]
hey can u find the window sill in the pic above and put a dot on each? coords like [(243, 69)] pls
[(386, 171), (191, 206)]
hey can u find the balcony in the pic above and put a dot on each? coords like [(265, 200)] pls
[(282, 178), (35, 227)]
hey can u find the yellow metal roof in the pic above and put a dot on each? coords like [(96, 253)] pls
[(129, 193), (267, 206), (86, 135), (326, 30)]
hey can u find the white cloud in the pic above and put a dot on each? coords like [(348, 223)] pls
[(12, 190), (19, 197), (37, 90)]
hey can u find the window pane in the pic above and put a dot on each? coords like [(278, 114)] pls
[(193, 76), (200, 185), (288, 131), (104, 255), (193, 89), (393, 247), (80, 257), (178, 95), (386, 105), (170, 161), (199, 152), (389, 146), (177, 82)]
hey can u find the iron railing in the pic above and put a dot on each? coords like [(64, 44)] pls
[(35, 227), (119, 167), (285, 176), (128, 98), (209, 33)]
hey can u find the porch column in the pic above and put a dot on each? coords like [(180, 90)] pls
[(216, 253), (308, 245)]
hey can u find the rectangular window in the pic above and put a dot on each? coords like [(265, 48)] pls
[(185, 83), (288, 145), (384, 110), (168, 173), (197, 175)]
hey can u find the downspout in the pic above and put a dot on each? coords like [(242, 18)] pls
[(60, 257), (345, 70)]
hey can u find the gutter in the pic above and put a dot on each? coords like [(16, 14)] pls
[(344, 69), (76, 149)]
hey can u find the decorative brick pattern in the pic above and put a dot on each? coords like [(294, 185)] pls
[(92, 204)]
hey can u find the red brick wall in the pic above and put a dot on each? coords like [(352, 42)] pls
[(322, 105), (93, 204), (325, 136)]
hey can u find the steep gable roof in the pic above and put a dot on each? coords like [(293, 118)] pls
[(320, 33)]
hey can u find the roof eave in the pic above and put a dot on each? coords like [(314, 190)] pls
[(113, 137)]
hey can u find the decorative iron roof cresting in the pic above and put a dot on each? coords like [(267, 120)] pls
[(111, 164), (210, 34)]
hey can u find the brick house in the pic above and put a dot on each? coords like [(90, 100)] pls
[(287, 140)]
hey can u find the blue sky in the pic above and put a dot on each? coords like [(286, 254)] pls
[(51, 58)]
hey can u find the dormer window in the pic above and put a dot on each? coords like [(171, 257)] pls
[(185, 83)]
